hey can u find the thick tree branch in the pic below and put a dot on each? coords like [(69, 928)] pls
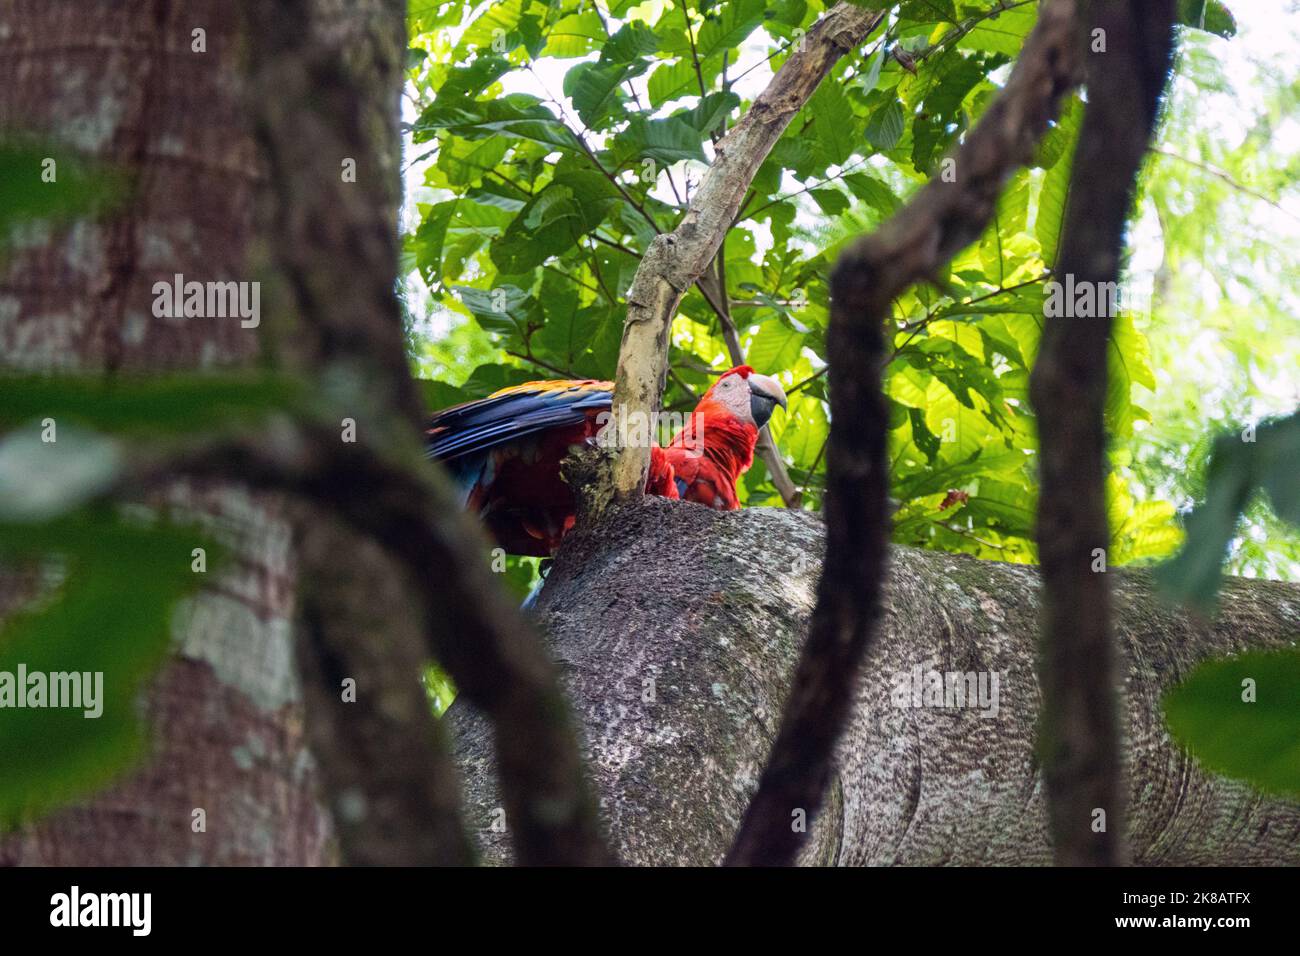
[(1080, 736), (677, 681), (394, 498), (942, 219), (326, 121), (395, 793), (676, 260)]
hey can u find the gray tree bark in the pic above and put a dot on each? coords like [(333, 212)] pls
[(677, 628), (123, 84)]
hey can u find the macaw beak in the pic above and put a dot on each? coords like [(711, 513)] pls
[(765, 393)]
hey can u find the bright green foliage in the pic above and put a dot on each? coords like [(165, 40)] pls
[(1209, 15), (553, 158), (1218, 233), (1255, 735), (105, 583), (440, 688), (1222, 328)]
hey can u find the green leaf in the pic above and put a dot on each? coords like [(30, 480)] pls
[(776, 347), (1055, 191), (487, 379), (960, 75), (885, 126), (45, 182), (669, 81), (629, 42), (551, 224), (788, 12), (1129, 364), (516, 115), (467, 82), (576, 35), (1208, 15), (738, 20), (668, 140), (831, 201), (1263, 457), (465, 162), (556, 203), (1004, 32), (595, 87), (709, 113), (499, 22), (929, 135), (504, 309), (872, 76), (1254, 740), (142, 406), (874, 193), (834, 124), (569, 331)]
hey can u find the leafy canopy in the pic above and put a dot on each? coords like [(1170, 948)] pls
[(552, 141)]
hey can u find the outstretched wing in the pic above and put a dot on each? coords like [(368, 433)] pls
[(514, 413)]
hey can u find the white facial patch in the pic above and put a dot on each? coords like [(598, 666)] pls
[(732, 391)]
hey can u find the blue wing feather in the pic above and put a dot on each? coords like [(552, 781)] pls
[(508, 415)]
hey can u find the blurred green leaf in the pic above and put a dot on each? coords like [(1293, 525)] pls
[(1208, 15), (108, 616), (1266, 457), (146, 406), (47, 183), (1212, 714)]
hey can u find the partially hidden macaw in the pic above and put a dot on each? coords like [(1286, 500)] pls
[(504, 451)]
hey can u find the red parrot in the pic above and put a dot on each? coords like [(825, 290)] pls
[(504, 451)]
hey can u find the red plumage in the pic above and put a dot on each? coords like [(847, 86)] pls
[(505, 450)]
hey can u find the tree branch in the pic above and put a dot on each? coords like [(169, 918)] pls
[(675, 260), (335, 247), (1079, 733), (394, 791), (940, 220), (392, 496), (677, 725)]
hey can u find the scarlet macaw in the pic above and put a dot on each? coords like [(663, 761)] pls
[(504, 451)]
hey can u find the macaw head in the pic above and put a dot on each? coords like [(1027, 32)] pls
[(747, 395)]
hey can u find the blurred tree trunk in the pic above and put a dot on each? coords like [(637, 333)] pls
[(155, 87)]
